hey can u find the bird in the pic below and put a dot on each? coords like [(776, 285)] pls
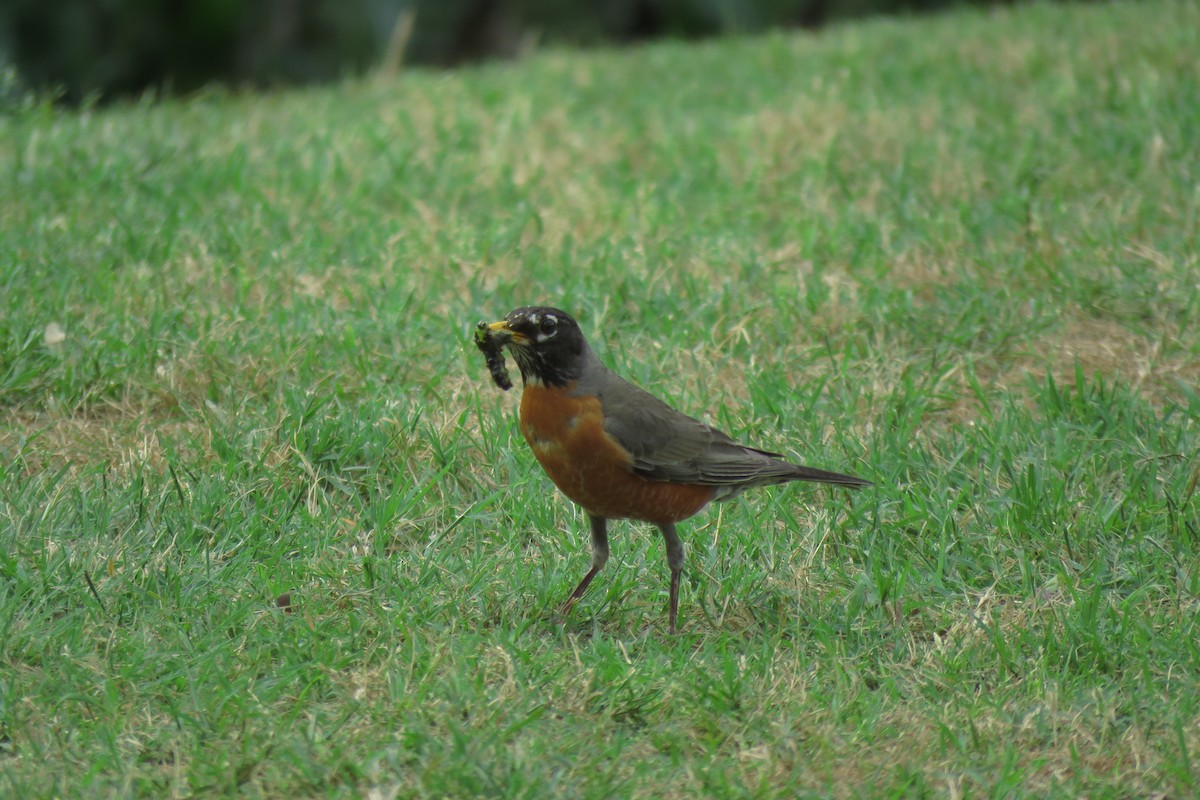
[(618, 451)]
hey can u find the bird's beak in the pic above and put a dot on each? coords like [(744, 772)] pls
[(502, 334)]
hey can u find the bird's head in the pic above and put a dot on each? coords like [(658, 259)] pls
[(546, 343)]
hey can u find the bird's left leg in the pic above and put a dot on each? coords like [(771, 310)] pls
[(675, 562), (599, 558)]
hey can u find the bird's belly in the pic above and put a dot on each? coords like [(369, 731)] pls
[(568, 438)]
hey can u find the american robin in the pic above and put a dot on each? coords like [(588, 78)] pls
[(618, 451)]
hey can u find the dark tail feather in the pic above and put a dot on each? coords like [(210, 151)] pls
[(799, 473)]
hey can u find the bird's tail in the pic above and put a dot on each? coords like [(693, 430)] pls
[(799, 473)]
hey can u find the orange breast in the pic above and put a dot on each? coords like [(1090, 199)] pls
[(568, 437)]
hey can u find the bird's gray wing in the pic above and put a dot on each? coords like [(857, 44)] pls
[(667, 445)]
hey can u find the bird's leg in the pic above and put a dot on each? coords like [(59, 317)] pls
[(599, 558), (675, 562)]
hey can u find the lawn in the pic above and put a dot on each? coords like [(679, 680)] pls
[(955, 255)]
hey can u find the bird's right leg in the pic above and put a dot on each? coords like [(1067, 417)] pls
[(675, 562), (599, 558)]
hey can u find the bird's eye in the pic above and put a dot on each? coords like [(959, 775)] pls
[(548, 325)]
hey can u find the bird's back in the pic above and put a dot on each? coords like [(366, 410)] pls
[(668, 445)]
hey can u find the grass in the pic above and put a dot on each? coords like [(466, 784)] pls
[(955, 255)]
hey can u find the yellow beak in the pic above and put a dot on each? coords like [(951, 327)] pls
[(503, 334)]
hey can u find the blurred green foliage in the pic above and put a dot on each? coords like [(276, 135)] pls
[(88, 49), (85, 48)]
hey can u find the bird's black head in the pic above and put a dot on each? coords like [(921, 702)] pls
[(547, 344)]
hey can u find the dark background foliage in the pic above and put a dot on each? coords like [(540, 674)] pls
[(105, 49)]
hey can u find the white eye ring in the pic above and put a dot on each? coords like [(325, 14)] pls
[(547, 327)]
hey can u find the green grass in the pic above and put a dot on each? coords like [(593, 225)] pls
[(955, 255)]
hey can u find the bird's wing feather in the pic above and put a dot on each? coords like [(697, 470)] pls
[(667, 445)]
